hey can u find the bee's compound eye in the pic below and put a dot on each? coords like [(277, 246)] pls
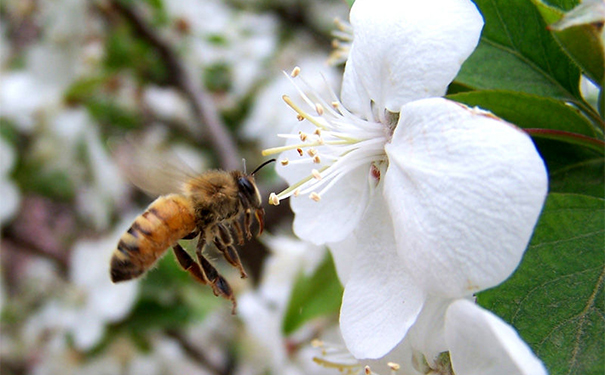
[(246, 186), (248, 191)]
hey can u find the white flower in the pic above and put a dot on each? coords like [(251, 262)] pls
[(419, 198), (478, 343)]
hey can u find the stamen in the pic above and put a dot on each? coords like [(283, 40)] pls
[(316, 159), (300, 151), (394, 367), (367, 370), (303, 136), (315, 197), (319, 109), (317, 132), (273, 199), (312, 152), (316, 174), (285, 161), (300, 117), (295, 72)]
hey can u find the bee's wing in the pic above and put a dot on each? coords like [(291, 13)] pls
[(152, 169)]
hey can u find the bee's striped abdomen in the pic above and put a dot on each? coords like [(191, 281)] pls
[(167, 219)]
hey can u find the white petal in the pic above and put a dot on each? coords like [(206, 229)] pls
[(344, 254), (427, 334), (406, 50), (482, 343), (465, 191), (337, 213), (381, 302)]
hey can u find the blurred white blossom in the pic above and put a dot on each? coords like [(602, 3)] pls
[(92, 301), (241, 41), (10, 197), (262, 310)]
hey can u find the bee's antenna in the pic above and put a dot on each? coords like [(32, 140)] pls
[(244, 162), (260, 166)]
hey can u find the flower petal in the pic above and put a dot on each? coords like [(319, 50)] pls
[(381, 302), (427, 334), (465, 190), (406, 50), (481, 343)]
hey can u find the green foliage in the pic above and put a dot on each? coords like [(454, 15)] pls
[(582, 43), (555, 298), (170, 299), (518, 53), (529, 111), (312, 296)]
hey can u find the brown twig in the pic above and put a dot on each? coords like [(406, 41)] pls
[(204, 110), (194, 353)]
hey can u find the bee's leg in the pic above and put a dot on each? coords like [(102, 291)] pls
[(191, 235), (260, 215), (239, 232), (220, 286), (224, 243), (189, 265), (248, 223)]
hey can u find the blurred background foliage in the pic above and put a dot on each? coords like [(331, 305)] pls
[(197, 78)]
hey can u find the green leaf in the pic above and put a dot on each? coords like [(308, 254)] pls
[(586, 177), (529, 111), (582, 43), (517, 53), (313, 296), (555, 299)]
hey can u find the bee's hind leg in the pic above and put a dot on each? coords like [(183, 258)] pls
[(188, 264), (220, 286)]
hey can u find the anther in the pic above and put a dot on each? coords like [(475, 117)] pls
[(284, 162), (273, 199), (317, 343), (317, 132), (335, 105), (303, 136), (300, 151), (295, 72), (299, 117), (312, 152), (316, 174), (367, 370), (319, 109), (394, 366), (316, 159), (296, 193), (316, 197)]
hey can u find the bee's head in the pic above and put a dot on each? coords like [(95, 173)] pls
[(248, 191)]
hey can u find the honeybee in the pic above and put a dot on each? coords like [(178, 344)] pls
[(207, 206)]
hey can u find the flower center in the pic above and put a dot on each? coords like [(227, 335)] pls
[(339, 143)]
